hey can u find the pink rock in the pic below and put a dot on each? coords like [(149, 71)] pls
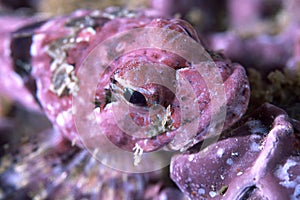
[(260, 159)]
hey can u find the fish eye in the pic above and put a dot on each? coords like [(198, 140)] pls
[(135, 97)]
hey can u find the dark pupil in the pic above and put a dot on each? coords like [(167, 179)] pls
[(135, 98)]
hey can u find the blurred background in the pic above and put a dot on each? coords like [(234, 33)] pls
[(214, 15)]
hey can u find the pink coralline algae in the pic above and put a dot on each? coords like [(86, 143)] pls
[(259, 159)]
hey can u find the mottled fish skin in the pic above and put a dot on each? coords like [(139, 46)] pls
[(59, 46)]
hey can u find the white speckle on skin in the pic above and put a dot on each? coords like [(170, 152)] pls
[(239, 173), (168, 134), (74, 142), (212, 194), (72, 40), (220, 152), (222, 177), (145, 142), (191, 158), (235, 154), (86, 35), (229, 161), (201, 191), (34, 49), (60, 120), (255, 147)]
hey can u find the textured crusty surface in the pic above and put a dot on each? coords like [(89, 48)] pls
[(97, 27), (260, 159)]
